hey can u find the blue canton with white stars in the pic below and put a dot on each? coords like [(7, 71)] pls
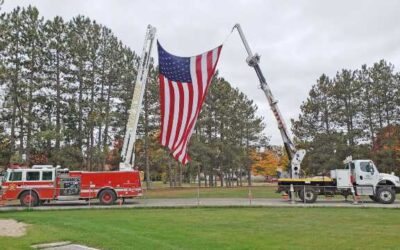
[(174, 68)]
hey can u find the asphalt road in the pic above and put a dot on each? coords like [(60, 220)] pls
[(203, 202)]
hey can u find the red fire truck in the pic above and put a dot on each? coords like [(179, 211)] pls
[(41, 183)]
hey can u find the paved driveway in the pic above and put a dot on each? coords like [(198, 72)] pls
[(204, 202)]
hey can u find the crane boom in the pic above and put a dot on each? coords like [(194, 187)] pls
[(128, 154), (295, 156)]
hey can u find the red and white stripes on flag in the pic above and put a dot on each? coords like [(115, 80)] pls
[(184, 82)]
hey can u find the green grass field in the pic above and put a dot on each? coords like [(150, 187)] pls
[(213, 228), (217, 192)]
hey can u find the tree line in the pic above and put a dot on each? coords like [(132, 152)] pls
[(348, 114), (66, 88)]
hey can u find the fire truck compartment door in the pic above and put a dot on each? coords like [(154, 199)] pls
[(70, 186)]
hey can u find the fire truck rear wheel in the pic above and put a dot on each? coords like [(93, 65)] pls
[(107, 197), (29, 199)]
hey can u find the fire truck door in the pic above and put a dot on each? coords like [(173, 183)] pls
[(14, 185)]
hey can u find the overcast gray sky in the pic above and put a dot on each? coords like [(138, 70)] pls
[(297, 40)]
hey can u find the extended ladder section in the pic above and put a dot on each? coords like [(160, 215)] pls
[(128, 154), (295, 156)]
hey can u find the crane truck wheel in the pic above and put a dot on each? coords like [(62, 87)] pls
[(29, 199), (308, 195), (107, 197), (386, 195)]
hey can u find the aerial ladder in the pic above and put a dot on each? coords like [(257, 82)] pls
[(295, 156), (128, 153)]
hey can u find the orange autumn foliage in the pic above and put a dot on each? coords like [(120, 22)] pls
[(39, 158), (264, 163), (386, 149), (388, 139)]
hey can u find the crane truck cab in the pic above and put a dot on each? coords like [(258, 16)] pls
[(367, 180), (358, 177)]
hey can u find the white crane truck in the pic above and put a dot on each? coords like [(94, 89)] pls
[(359, 177)]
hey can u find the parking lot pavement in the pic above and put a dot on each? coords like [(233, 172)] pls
[(204, 202)]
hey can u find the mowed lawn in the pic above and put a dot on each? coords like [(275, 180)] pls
[(213, 228), (216, 192)]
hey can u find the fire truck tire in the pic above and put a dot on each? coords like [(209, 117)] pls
[(308, 195), (107, 197), (386, 195), (29, 199)]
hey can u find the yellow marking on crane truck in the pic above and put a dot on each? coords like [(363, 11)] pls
[(307, 180)]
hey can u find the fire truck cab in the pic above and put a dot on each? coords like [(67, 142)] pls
[(41, 183)]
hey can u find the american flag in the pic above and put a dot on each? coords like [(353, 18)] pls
[(184, 82)]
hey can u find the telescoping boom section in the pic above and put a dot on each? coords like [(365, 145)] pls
[(128, 154), (295, 156)]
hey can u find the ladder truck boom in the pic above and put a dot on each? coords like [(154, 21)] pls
[(128, 154), (295, 156)]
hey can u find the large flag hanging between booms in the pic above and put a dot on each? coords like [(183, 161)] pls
[(184, 82)]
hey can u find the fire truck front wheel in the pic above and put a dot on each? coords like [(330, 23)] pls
[(107, 197), (29, 199)]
